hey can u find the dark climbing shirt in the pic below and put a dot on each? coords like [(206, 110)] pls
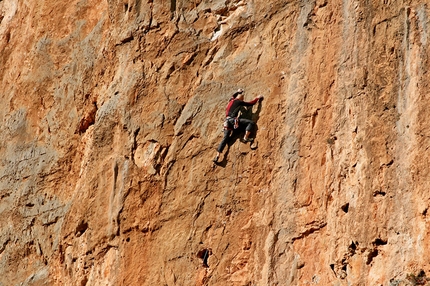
[(234, 105)]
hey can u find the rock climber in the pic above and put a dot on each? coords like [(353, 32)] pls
[(233, 122)]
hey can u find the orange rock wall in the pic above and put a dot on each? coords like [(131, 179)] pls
[(111, 112)]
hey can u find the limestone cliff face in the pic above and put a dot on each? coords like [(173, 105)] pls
[(111, 112)]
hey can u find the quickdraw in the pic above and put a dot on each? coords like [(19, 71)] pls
[(236, 122)]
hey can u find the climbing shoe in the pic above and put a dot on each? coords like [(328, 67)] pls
[(244, 140), (215, 160)]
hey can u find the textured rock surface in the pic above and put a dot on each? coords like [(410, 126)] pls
[(111, 112)]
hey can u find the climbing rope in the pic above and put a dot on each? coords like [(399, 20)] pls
[(233, 178)]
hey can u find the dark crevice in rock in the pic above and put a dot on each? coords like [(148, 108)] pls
[(134, 143), (3, 247), (172, 5), (81, 228), (379, 193), (204, 255), (372, 255), (310, 230), (127, 39), (379, 242), (344, 267), (352, 248), (88, 119), (375, 251), (323, 4), (345, 207), (84, 281), (389, 164)]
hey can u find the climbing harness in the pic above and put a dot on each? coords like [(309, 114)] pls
[(227, 123), (228, 119), (235, 119)]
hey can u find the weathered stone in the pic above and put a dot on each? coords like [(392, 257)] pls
[(111, 113)]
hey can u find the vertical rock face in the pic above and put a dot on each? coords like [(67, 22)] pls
[(111, 112)]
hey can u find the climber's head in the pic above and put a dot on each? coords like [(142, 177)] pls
[(238, 94)]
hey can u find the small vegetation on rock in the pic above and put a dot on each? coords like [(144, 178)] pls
[(419, 279)]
